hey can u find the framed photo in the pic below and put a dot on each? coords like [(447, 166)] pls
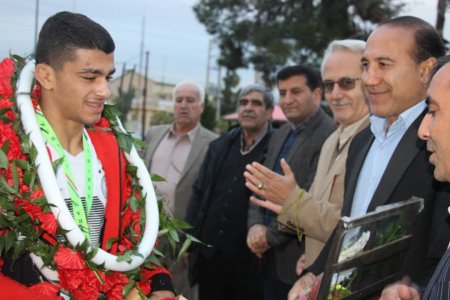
[(368, 251)]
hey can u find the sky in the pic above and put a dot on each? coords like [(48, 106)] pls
[(176, 41)]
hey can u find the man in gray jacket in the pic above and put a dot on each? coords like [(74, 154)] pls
[(176, 153)]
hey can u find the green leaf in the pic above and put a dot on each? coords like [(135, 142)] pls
[(3, 160), (180, 224), (127, 288), (125, 141), (5, 146), (174, 235), (15, 176), (110, 242), (187, 243), (156, 178), (134, 203), (5, 186), (23, 164)]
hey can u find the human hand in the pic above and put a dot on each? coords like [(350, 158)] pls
[(162, 295), (276, 208), (257, 240), (272, 187), (301, 286), (185, 258), (157, 295), (400, 291), (300, 266)]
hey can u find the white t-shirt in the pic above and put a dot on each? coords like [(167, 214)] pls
[(96, 217)]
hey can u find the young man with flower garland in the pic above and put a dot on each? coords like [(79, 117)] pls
[(74, 62)]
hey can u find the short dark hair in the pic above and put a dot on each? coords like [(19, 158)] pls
[(313, 79), (65, 32), (428, 42), (442, 61), (267, 94)]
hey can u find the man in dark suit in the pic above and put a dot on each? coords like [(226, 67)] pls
[(387, 162), (176, 152), (435, 129), (299, 142), (224, 267)]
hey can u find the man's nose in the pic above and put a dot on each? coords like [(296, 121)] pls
[(424, 129)]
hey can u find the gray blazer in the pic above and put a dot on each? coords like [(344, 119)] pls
[(303, 158), (194, 161)]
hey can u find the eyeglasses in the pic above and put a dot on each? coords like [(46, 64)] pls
[(345, 83)]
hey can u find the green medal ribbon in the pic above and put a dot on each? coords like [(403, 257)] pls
[(79, 214)]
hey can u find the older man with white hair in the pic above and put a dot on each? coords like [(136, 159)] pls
[(316, 212), (176, 152)]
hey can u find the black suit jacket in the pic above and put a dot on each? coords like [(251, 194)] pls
[(407, 174)]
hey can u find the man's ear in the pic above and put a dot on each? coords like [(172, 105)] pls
[(425, 69), (44, 74)]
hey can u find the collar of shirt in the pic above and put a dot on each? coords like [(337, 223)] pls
[(190, 135), (299, 128), (378, 125), (345, 134), (259, 136)]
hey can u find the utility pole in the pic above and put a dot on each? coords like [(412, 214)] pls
[(207, 66), (36, 21), (144, 96), (141, 56), (218, 100)]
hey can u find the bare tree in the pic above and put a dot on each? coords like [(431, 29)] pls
[(440, 19)]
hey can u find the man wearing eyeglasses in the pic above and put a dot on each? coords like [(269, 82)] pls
[(298, 142), (316, 212)]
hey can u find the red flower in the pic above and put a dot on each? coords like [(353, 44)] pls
[(48, 223), (46, 288), (8, 134), (33, 211), (5, 103), (7, 67), (103, 123), (36, 194), (114, 285), (6, 72), (66, 258)]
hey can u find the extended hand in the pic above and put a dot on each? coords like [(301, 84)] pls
[(301, 286), (256, 239), (400, 291), (269, 185)]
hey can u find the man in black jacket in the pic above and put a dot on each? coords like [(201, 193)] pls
[(224, 267)]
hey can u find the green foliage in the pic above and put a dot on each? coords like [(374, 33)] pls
[(123, 101), (229, 97), (162, 117), (269, 34), (208, 118)]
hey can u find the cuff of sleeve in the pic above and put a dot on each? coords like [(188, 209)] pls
[(162, 282), (286, 218)]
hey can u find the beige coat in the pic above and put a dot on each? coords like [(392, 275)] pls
[(317, 212)]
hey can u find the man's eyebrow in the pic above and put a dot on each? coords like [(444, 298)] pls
[(385, 58), (96, 71)]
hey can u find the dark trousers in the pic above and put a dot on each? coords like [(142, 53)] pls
[(226, 277), (274, 288)]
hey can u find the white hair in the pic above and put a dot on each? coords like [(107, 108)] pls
[(201, 91), (350, 45)]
